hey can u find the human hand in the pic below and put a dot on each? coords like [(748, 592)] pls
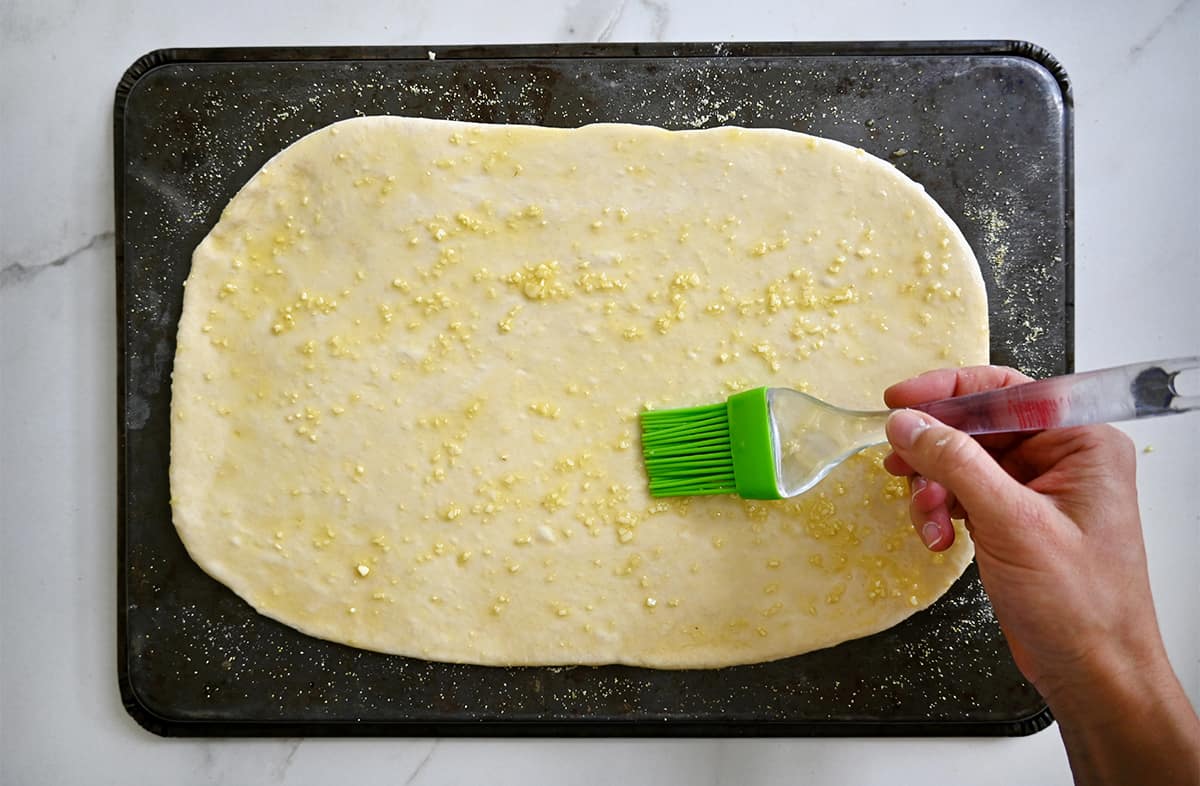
[(1058, 542), (1054, 518)]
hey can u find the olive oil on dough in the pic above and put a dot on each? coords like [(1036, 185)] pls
[(412, 354)]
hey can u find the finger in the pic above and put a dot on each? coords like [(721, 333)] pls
[(935, 529), (951, 382), (998, 443), (958, 462), (952, 505), (930, 515), (927, 495), (897, 466), (1105, 446)]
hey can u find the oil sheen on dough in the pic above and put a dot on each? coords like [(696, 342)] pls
[(412, 354)]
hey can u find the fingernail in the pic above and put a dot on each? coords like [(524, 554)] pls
[(917, 485), (931, 534), (903, 426)]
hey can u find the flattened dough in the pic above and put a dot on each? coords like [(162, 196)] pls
[(412, 354)]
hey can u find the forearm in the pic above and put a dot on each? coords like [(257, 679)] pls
[(1130, 726)]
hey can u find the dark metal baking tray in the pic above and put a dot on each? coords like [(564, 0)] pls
[(984, 126)]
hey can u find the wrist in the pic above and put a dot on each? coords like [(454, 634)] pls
[(1127, 681), (1127, 718)]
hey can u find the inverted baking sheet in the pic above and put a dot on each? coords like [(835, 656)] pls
[(984, 126)]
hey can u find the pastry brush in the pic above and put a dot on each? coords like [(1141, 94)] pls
[(773, 443)]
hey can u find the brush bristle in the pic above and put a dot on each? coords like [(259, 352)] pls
[(688, 452)]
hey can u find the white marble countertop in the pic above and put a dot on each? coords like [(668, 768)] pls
[(1136, 73)]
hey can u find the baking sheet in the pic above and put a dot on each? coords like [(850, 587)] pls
[(984, 126)]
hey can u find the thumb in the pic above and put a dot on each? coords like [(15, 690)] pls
[(956, 461)]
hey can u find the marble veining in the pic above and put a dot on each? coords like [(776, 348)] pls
[(1172, 17), (280, 771), (416, 772), (591, 21), (660, 17), (18, 272), (587, 20)]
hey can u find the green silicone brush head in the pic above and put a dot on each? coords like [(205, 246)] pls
[(714, 449), (687, 451)]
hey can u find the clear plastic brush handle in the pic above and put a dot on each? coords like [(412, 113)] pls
[(1140, 390)]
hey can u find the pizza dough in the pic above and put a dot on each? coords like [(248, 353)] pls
[(412, 354)]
